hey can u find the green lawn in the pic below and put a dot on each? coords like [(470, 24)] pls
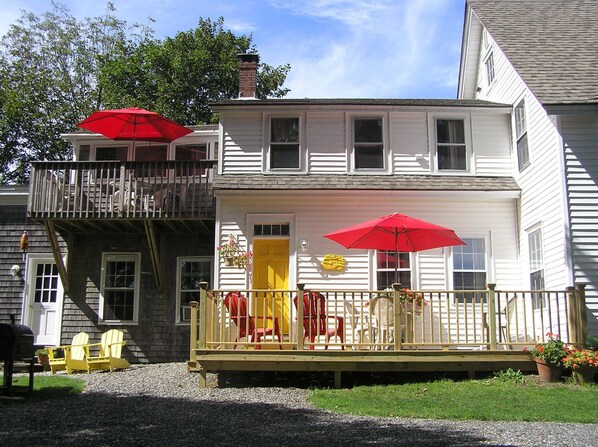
[(487, 400), (47, 387)]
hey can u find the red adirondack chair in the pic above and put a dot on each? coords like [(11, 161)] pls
[(315, 319), (236, 304)]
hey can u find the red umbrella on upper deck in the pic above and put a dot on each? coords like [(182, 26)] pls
[(396, 232), (134, 124)]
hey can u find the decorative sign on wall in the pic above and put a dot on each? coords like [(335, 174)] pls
[(334, 262)]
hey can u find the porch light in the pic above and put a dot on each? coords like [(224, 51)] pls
[(303, 245), (15, 271)]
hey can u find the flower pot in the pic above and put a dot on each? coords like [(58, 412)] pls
[(228, 261), (549, 372), (583, 374)]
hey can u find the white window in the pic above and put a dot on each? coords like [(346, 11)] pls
[(536, 266), (119, 299), (368, 143), (521, 135), (190, 272), (390, 269), (469, 268), (284, 143), (490, 68), (451, 150)]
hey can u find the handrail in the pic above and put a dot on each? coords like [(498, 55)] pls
[(487, 319)]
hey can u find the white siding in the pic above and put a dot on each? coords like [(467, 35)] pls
[(326, 143), (409, 137), (491, 144), (580, 137), (318, 214), (242, 143)]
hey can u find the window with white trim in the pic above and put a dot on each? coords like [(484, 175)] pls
[(120, 288), (451, 150), (469, 269), (190, 272), (521, 135), (391, 269), (368, 143), (536, 266), (490, 68), (284, 143)]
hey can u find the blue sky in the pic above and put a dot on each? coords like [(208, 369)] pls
[(336, 48)]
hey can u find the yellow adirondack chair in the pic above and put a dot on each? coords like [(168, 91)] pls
[(108, 353), (74, 355)]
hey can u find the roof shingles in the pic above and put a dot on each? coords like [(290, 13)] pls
[(553, 45)]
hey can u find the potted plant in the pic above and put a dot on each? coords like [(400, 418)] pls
[(233, 254), (583, 364), (42, 357), (411, 301), (549, 357)]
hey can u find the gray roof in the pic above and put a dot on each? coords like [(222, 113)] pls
[(362, 182), (553, 45), (360, 102)]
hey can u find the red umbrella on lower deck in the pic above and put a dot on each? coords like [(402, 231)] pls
[(395, 232), (134, 124)]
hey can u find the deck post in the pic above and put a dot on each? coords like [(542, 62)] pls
[(396, 327), (203, 298), (492, 315), (193, 326), (577, 316), (299, 328)]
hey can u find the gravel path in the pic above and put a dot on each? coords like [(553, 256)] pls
[(161, 405)]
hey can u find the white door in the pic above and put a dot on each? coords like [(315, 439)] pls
[(43, 312)]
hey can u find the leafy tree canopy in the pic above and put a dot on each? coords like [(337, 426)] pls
[(55, 70)]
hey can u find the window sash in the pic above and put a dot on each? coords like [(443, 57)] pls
[(190, 272), (368, 143), (469, 269), (284, 143), (490, 68), (120, 288), (451, 149), (386, 261)]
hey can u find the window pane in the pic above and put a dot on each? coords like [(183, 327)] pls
[(111, 153), (191, 152), (284, 130), (368, 130), (385, 264), (369, 157), (452, 157), (522, 152), (151, 152), (450, 131), (520, 124), (284, 156)]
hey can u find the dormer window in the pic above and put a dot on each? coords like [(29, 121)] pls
[(284, 143), (368, 143)]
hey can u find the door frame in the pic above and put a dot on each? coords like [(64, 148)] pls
[(30, 273)]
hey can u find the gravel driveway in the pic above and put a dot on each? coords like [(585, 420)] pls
[(161, 405)]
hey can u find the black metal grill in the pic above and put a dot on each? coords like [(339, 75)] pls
[(16, 344)]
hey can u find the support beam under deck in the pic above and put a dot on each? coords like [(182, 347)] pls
[(62, 271)]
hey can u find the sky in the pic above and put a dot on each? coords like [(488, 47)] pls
[(336, 48)]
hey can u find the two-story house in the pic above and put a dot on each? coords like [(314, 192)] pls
[(540, 59)]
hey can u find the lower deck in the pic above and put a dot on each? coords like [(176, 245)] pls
[(378, 331)]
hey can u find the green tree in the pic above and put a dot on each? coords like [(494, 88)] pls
[(180, 76), (56, 70)]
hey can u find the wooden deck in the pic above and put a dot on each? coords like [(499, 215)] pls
[(485, 330)]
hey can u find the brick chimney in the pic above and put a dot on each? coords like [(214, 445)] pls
[(248, 75)]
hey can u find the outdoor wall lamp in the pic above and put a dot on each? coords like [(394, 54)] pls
[(303, 245), (15, 271)]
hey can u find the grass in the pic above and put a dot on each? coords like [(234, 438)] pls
[(46, 387), (487, 400)]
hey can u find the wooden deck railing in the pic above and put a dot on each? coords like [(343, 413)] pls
[(367, 320), (113, 189)]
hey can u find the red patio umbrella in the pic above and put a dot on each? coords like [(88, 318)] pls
[(134, 124), (396, 232)]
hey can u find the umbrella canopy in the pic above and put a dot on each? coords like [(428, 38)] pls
[(134, 124), (395, 232)]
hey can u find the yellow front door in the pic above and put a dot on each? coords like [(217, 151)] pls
[(271, 272)]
